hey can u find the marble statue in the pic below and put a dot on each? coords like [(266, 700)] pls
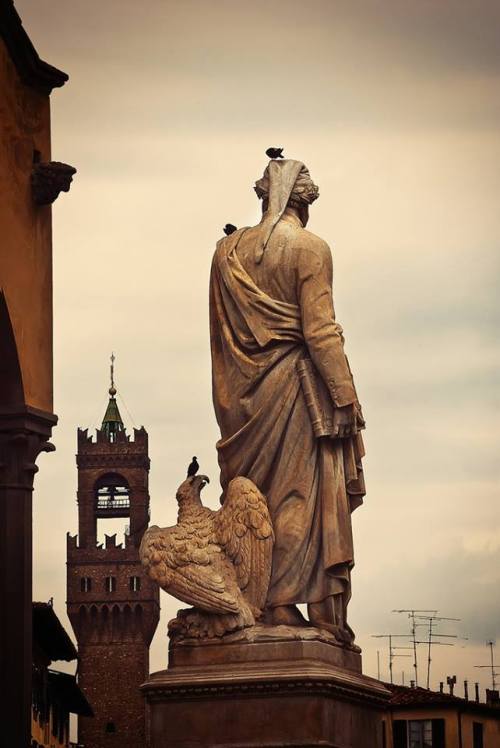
[(285, 400), (255, 669), (219, 562)]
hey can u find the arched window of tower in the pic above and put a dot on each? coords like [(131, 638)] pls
[(112, 496), (112, 504)]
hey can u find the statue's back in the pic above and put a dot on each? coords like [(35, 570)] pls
[(289, 252)]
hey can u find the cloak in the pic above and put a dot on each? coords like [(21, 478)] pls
[(258, 340)]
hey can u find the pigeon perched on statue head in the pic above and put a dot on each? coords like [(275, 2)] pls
[(193, 468), (229, 229), (275, 152)]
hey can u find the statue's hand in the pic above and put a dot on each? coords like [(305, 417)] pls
[(347, 421)]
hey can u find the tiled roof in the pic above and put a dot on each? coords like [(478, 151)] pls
[(422, 697), (49, 634), (66, 691), (405, 695), (112, 421)]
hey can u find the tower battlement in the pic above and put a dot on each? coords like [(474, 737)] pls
[(86, 441), (101, 551)]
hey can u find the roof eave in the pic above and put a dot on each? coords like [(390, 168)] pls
[(33, 71)]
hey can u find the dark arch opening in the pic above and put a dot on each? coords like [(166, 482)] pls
[(115, 623), (11, 382), (112, 496)]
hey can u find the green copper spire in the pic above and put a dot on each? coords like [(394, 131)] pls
[(112, 422)]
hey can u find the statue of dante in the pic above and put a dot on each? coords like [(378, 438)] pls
[(285, 400)]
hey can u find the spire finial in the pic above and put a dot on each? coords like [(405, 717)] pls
[(112, 389), (112, 422)]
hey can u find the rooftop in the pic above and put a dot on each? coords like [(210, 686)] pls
[(50, 635), (33, 71), (112, 423), (66, 691), (421, 697)]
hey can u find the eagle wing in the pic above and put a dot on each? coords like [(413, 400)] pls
[(192, 574), (244, 530)]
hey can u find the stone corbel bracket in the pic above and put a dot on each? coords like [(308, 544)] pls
[(49, 179)]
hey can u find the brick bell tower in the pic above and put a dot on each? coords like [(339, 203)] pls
[(112, 605)]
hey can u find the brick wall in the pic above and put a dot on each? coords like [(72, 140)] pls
[(113, 625)]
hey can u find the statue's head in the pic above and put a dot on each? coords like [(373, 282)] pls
[(290, 181), (284, 184)]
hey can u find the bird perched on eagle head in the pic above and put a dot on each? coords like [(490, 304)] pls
[(193, 467), (219, 562), (274, 152)]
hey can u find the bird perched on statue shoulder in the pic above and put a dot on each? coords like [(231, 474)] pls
[(274, 152), (219, 562)]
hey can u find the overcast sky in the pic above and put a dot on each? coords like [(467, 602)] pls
[(395, 108)]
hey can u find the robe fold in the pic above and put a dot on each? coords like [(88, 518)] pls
[(265, 318)]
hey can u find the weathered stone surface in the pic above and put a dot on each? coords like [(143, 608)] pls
[(261, 644), (49, 179), (284, 397), (290, 422), (219, 562), (286, 692)]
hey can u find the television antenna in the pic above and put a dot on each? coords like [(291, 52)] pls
[(392, 647), (412, 612), (429, 621), (491, 666)]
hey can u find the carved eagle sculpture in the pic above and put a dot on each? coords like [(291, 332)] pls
[(217, 561)]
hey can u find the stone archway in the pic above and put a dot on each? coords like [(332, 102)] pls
[(23, 435)]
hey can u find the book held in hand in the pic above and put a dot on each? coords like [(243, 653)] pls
[(317, 397)]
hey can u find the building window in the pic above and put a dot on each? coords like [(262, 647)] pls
[(477, 735), (85, 584), (110, 584), (135, 584), (110, 726), (420, 733)]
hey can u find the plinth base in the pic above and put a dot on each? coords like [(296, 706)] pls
[(266, 691)]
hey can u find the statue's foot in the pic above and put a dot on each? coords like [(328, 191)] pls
[(287, 615), (339, 633), (322, 615)]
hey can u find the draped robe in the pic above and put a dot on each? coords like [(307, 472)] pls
[(266, 316)]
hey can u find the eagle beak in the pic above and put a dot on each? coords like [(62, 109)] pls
[(203, 480)]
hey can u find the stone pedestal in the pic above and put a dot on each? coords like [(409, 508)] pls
[(263, 688)]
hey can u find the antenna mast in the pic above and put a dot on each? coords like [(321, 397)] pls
[(389, 638), (411, 615), (491, 666), (429, 621)]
